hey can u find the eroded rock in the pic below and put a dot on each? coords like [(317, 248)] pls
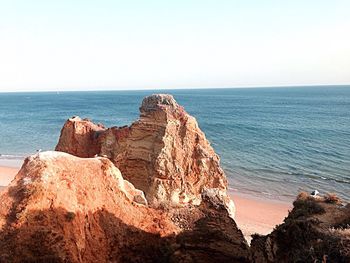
[(164, 153), (80, 137), (62, 208)]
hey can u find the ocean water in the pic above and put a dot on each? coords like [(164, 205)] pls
[(273, 142)]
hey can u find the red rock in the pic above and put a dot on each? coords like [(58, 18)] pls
[(164, 153), (80, 137), (62, 208)]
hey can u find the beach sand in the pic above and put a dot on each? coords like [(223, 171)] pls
[(259, 216), (7, 174), (253, 215)]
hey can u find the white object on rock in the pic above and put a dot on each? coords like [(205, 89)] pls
[(314, 193)]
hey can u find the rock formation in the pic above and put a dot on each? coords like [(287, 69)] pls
[(164, 153), (79, 137), (316, 230), (150, 192), (62, 208)]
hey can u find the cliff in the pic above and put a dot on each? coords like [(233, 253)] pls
[(62, 208), (164, 153)]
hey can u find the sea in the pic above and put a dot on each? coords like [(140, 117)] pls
[(273, 142)]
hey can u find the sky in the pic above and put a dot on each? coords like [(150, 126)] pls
[(159, 44)]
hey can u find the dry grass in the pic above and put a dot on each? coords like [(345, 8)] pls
[(332, 198), (303, 196), (306, 208)]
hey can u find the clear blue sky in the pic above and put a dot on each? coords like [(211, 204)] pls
[(72, 45)]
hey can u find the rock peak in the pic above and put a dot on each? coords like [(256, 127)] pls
[(156, 101), (164, 153)]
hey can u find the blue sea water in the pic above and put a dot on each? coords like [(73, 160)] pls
[(273, 142)]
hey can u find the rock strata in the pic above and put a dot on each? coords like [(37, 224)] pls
[(164, 153), (62, 208)]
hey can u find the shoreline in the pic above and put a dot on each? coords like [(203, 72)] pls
[(15, 163), (253, 214)]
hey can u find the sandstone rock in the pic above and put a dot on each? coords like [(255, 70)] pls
[(62, 208), (80, 137), (316, 230), (164, 153), (218, 198), (210, 235)]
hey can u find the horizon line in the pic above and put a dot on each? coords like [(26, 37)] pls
[(180, 88)]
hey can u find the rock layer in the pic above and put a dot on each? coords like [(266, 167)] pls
[(164, 153), (62, 208)]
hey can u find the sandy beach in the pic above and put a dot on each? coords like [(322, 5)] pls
[(6, 175), (258, 215), (252, 215)]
